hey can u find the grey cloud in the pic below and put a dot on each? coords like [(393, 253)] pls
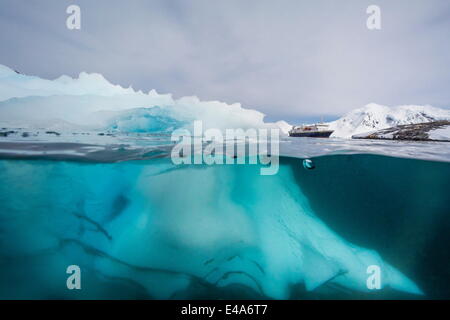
[(289, 59)]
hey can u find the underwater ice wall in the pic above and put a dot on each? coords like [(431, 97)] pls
[(398, 207), (151, 230)]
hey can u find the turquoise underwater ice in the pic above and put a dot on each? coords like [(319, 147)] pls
[(150, 229)]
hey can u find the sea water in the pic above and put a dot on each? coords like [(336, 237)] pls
[(138, 226)]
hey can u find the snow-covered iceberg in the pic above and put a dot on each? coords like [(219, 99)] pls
[(91, 102)]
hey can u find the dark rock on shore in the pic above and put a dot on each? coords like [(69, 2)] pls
[(6, 133), (53, 132), (412, 132)]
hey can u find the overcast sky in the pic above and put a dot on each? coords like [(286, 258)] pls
[(289, 59)]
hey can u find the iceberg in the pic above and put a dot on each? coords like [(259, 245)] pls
[(90, 102), (182, 232)]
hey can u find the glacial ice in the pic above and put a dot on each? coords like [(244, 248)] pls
[(308, 164), (16, 85), (90, 102), (217, 227)]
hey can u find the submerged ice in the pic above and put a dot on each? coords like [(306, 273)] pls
[(173, 232)]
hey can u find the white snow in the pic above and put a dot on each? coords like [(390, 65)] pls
[(284, 126), (440, 134), (14, 85), (375, 117)]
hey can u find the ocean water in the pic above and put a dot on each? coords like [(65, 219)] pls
[(139, 226)]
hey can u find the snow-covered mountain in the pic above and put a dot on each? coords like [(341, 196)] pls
[(374, 117)]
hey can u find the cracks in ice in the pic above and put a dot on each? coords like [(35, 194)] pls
[(97, 225)]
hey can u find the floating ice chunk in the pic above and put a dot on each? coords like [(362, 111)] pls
[(308, 164)]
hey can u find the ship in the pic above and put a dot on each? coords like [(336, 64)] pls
[(318, 130)]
